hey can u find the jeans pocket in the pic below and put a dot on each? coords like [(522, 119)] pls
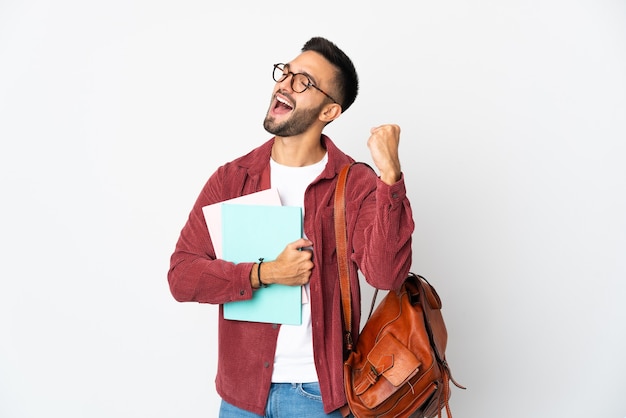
[(310, 391)]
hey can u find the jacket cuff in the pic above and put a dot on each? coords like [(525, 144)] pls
[(394, 193), (242, 288)]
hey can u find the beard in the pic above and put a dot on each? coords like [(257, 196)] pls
[(296, 124)]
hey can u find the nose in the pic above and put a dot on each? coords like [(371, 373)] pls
[(287, 81)]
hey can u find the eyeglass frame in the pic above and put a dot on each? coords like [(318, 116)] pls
[(292, 74)]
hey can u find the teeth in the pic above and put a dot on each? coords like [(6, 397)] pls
[(283, 101)]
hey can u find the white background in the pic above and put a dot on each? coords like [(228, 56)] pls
[(113, 115)]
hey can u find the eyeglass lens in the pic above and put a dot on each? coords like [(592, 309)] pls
[(299, 82)]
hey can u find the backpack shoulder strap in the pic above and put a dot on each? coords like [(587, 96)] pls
[(341, 238)]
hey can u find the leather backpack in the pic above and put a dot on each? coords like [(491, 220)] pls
[(398, 366)]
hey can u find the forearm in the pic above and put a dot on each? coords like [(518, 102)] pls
[(383, 236), (198, 279), (196, 275)]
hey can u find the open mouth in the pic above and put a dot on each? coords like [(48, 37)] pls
[(282, 105)]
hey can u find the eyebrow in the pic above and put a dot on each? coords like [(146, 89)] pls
[(313, 80)]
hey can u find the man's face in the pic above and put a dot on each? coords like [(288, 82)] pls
[(292, 113)]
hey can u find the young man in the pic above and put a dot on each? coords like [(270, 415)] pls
[(286, 370)]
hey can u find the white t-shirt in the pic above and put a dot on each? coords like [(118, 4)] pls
[(294, 362)]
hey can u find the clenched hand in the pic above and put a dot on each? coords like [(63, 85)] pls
[(383, 145)]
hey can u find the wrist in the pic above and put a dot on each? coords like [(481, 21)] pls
[(259, 274), (390, 178), (254, 277)]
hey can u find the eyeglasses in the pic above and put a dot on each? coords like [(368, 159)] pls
[(299, 81)]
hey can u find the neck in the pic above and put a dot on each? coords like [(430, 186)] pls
[(298, 151)]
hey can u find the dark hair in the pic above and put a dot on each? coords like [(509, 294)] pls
[(347, 81)]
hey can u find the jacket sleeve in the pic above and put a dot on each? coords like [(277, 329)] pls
[(195, 274), (383, 229)]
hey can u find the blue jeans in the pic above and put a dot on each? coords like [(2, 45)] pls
[(286, 400)]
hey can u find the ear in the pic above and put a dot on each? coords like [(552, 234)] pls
[(330, 112)]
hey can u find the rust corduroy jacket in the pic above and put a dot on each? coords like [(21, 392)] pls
[(380, 225)]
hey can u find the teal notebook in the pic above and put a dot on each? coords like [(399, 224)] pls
[(250, 232)]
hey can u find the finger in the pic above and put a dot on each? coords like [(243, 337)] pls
[(391, 126), (300, 243), (308, 254)]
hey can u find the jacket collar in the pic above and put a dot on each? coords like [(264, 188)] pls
[(258, 159)]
